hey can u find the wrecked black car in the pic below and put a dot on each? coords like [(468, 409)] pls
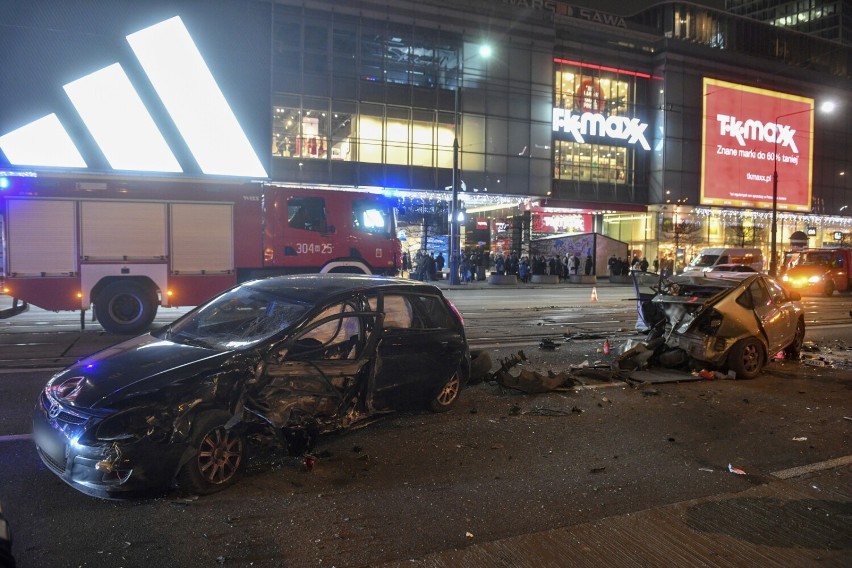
[(286, 359), (734, 323)]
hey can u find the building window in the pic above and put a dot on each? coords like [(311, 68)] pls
[(590, 162), (305, 128), (299, 132)]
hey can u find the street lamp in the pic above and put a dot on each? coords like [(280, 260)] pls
[(484, 52), (826, 107)]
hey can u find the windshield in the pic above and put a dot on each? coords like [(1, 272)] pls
[(372, 216), (815, 258), (237, 319), (703, 260)]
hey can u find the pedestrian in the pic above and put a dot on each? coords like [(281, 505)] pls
[(589, 265), (643, 264), (524, 270), (500, 265), (440, 261), (465, 269), (656, 264), (611, 265), (406, 264)]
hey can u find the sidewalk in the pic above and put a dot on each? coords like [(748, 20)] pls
[(801, 521)]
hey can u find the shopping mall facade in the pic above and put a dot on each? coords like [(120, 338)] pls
[(663, 130)]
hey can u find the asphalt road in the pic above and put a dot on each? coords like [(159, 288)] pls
[(500, 464)]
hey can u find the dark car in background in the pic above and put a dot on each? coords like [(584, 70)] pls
[(285, 359)]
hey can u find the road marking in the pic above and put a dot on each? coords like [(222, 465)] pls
[(819, 466), (16, 438), (17, 370)]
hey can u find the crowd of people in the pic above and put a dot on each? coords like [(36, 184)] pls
[(619, 266), (476, 264)]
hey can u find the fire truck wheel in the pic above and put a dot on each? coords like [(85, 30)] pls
[(126, 307), (829, 288)]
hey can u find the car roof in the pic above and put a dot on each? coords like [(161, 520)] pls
[(731, 267), (729, 280), (313, 288)]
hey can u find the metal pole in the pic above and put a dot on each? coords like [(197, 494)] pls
[(773, 262), (454, 223)]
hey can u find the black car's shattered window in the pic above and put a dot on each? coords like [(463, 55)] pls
[(239, 318)]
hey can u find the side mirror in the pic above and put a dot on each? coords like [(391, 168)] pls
[(794, 296)]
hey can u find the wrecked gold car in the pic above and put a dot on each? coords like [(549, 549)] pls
[(277, 361), (735, 323)]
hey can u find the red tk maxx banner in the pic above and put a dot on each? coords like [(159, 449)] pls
[(748, 134)]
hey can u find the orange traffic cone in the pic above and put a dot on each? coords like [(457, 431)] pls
[(594, 294)]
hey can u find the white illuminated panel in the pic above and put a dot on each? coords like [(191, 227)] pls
[(193, 99), (120, 123), (43, 142)]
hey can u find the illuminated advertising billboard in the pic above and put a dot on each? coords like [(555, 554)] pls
[(747, 134), (154, 87)]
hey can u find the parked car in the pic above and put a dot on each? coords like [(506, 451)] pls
[(283, 359), (732, 323), (729, 268), (707, 258)]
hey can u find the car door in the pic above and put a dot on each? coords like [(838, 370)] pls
[(319, 376), (416, 354), (775, 315)]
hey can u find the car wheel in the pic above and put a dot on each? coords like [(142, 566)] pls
[(746, 358), (219, 458), (829, 288), (448, 395), (126, 307), (480, 366), (793, 350)]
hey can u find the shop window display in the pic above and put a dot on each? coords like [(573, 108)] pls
[(590, 162), (364, 132), (300, 133)]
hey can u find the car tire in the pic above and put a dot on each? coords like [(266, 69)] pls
[(219, 455), (746, 358), (126, 307), (480, 366), (448, 395), (794, 350), (829, 288)]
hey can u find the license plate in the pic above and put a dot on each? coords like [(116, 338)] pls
[(51, 444)]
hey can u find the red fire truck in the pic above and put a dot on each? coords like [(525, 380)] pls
[(124, 247)]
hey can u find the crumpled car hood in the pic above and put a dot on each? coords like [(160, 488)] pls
[(140, 365)]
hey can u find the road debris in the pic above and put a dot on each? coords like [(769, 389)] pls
[(736, 470), (800, 439)]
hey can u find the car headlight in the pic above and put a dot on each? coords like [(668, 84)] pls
[(126, 425), (785, 278), (814, 279)]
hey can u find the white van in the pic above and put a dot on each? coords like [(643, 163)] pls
[(710, 257)]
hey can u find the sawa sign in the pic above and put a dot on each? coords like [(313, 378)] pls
[(748, 132)]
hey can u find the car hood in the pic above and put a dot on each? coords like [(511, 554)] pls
[(134, 367)]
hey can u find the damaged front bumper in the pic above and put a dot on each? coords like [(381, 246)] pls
[(105, 469)]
